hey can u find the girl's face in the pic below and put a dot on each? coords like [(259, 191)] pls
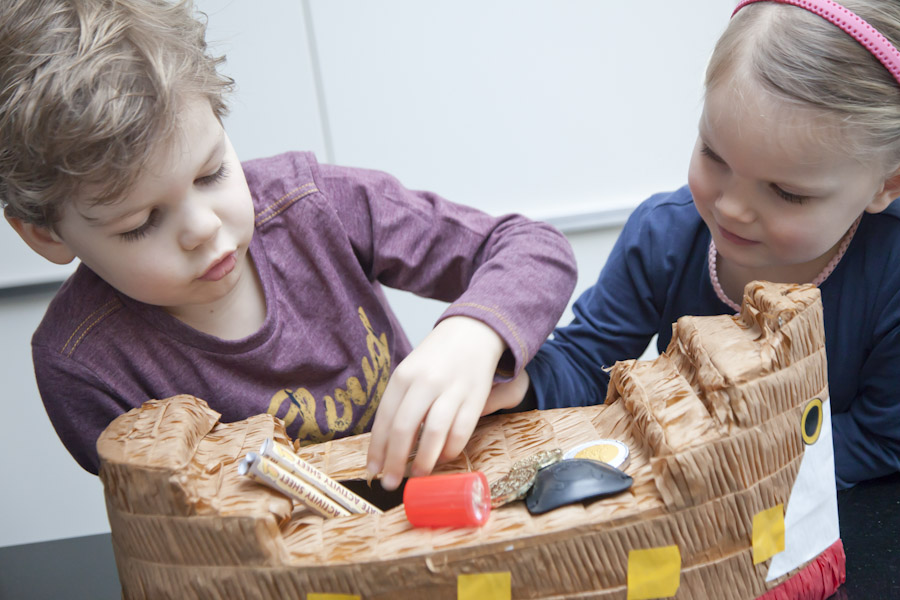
[(774, 185), (179, 238)]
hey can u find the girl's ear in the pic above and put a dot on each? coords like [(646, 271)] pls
[(889, 191), (42, 240)]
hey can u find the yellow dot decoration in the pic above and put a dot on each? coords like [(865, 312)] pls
[(654, 573), (768, 533), (484, 586)]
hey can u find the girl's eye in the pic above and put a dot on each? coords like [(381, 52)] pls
[(789, 197), (216, 177), (705, 151), (141, 231)]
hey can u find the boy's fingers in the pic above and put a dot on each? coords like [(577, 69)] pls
[(462, 428), (402, 434), (438, 423), (384, 417)]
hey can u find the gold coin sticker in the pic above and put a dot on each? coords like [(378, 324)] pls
[(611, 452)]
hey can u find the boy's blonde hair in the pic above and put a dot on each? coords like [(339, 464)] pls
[(802, 58), (88, 88)]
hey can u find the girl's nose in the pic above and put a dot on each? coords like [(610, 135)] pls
[(734, 206), (200, 224)]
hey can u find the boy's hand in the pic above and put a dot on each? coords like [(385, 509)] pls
[(441, 386)]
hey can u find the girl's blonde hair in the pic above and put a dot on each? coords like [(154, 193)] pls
[(802, 58), (88, 89)]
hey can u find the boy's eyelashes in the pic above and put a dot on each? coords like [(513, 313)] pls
[(155, 215), (142, 230), (216, 177)]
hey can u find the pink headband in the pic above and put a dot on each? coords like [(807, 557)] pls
[(853, 25)]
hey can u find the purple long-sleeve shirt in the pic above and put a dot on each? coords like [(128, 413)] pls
[(325, 238)]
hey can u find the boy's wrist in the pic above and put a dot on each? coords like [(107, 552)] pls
[(484, 337)]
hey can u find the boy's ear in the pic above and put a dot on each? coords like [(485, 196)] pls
[(42, 240), (889, 191)]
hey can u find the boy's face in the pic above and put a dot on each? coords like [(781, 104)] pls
[(179, 238)]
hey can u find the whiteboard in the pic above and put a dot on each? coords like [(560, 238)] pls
[(546, 108), (551, 109)]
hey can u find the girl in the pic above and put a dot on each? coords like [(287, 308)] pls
[(792, 179)]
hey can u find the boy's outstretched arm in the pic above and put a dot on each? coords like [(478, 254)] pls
[(441, 387), (507, 280)]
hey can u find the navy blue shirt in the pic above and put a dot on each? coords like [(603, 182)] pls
[(658, 272)]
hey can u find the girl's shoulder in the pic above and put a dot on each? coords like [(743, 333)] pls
[(868, 272), (889, 217), (669, 217), (881, 231), (667, 209)]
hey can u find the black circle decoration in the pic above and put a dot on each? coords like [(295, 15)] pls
[(811, 421)]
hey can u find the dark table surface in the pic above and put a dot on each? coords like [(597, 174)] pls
[(870, 529), (84, 567)]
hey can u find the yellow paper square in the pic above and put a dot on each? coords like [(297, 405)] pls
[(654, 573), (484, 586), (332, 597), (768, 533)]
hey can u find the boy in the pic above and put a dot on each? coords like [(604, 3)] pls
[(254, 286)]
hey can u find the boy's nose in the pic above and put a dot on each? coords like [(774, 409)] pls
[(200, 225)]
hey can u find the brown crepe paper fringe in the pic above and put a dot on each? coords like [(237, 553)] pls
[(713, 427)]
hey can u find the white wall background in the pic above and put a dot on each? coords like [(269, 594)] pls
[(571, 111)]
